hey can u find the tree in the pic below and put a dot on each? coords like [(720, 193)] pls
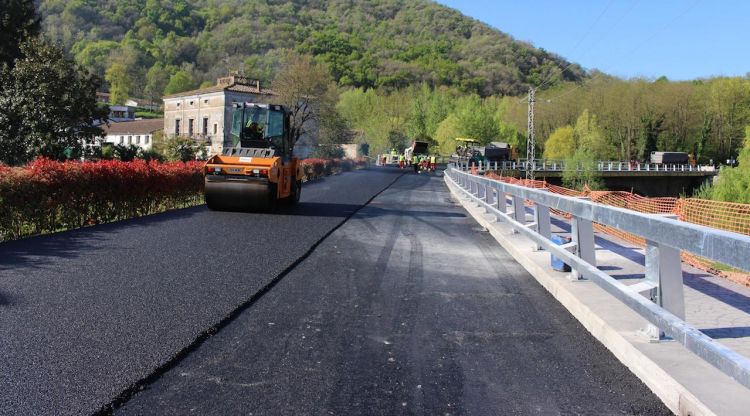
[(157, 79), (477, 120), (18, 21), (589, 136), (446, 134), (561, 144), (307, 90), (179, 82), (581, 170), (47, 105), (120, 83), (733, 184)]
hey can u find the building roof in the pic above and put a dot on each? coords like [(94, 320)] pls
[(232, 83), (145, 126)]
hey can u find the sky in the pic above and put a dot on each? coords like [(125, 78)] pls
[(679, 39)]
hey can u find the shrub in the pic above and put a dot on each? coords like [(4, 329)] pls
[(47, 196)]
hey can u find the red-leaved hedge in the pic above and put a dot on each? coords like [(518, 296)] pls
[(47, 196)]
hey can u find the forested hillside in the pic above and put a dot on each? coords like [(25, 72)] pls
[(147, 47)]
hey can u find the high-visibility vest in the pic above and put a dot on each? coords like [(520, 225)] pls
[(432, 159)]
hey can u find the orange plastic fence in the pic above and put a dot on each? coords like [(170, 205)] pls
[(722, 215)]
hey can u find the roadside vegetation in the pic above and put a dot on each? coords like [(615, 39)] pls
[(382, 73), (48, 196)]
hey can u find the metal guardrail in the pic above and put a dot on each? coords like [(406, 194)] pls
[(602, 166), (659, 299)]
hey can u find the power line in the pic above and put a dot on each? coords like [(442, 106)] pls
[(638, 46), (598, 39), (580, 41)]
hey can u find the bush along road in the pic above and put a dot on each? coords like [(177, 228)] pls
[(47, 196)]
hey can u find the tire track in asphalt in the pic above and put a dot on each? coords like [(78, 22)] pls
[(134, 388)]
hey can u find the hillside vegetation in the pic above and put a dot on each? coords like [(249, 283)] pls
[(404, 69), (176, 44)]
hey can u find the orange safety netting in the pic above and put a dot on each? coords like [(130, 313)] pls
[(722, 215)]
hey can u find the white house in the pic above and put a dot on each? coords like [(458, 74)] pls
[(137, 132)]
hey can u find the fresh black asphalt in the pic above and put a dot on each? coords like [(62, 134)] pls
[(87, 314), (408, 308)]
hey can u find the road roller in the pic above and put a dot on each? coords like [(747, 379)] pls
[(257, 170)]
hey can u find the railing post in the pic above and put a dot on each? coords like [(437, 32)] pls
[(502, 200), (664, 275), (542, 219), (582, 233), (519, 211)]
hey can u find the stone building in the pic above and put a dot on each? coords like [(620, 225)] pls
[(206, 114)]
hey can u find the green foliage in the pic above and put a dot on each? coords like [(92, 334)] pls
[(561, 144), (378, 43), (18, 20), (476, 119), (47, 105), (120, 83), (181, 148), (733, 184), (157, 78), (149, 155), (124, 152), (590, 137), (446, 134), (626, 120), (179, 82), (148, 114), (580, 170)]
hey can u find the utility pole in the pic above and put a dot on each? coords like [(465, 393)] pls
[(530, 143)]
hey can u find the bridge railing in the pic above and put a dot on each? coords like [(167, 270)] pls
[(659, 298), (602, 166)]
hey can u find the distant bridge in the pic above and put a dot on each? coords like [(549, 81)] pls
[(647, 179)]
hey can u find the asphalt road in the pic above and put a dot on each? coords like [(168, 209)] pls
[(408, 308), (88, 314)]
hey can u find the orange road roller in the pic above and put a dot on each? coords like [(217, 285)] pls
[(259, 170)]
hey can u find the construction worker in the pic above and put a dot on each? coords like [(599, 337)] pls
[(415, 163), (254, 131), (433, 163), (401, 160)]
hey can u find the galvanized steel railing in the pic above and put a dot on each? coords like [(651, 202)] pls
[(602, 166), (659, 299)]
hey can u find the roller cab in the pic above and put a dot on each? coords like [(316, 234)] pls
[(259, 170)]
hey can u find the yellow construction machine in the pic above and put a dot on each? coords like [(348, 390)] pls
[(259, 169)]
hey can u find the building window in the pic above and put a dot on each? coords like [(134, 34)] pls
[(137, 139), (205, 101), (216, 127), (177, 127), (130, 139), (178, 104), (191, 103), (122, 139), (146, 138), (190, 127), (205, 126)]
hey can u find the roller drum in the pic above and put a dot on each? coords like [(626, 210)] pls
[(240, 195)]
